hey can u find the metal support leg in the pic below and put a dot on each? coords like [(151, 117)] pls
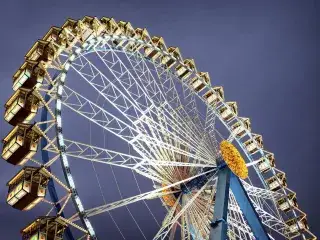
[(219, 224), (247, 208)]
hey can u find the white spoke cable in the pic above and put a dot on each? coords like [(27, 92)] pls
[(147, 195)]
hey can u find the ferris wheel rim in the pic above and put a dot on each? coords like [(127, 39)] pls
[(83, 51)]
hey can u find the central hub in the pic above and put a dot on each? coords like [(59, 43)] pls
[(198, 182)]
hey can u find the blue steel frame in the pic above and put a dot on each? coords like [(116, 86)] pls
[(219, 227)]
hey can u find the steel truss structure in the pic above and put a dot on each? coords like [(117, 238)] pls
[(165, 112)]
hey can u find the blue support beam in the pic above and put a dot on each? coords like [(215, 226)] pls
[(219, 226), (247, 208)]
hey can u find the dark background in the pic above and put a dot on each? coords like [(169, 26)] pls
[(264, 53)]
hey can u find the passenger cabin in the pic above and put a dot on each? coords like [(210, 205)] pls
[(143, 35), (286, 203), (97, 26), (200, 81), (41, 51), (84, 28), (185, 70), (45, 228), (266, 163), (297, 224), (21, 107), (153, 52), (227, 113), (27, 188), (69, 32), (168, 61), (58, 43), (20, 144), (111, 26), (127, 30), (29, 75), (239, 128), (276, 182), (253, 145), (214, 95)]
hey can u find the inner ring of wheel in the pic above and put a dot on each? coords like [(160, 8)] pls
[(85, 48)]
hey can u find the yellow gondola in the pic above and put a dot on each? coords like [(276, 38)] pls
[(20, 144), (27, 188), (45, 228), (21, 107)]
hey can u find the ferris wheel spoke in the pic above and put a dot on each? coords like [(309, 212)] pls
[(123, 202), (194, 226), (151, 85), (108, 121), (210, 129), (93, 112), (169, 87), (159, 192), (164, 130), (102, 155), (164, 230), (123, 112), (147, 80), (200, 222), (138, 59), (131, 83), (185, 231), (169, 216), (159, 133)]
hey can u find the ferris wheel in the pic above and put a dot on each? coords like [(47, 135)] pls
[(96, 96)]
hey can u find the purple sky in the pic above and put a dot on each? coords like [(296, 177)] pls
[(264, 53)]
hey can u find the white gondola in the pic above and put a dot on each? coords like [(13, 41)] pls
[(58, 43), (111, 26), (227, 113), (152, 52), (97, 27), (214, 95), (185, 70), (297, 224), (41, 51), (21, 107), (27, 188), (140, 34), (266, 163), (29, 75), (253, 146), (21, 144), (200, 81), (276, 182), (128, 31), (239, 128), (84, 28), (69, 33), (287, 203), (168, 61), (45, 228)]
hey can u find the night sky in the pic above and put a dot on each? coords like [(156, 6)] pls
[(264, 54)]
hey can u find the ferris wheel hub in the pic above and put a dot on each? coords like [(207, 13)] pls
[(233, 159)]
